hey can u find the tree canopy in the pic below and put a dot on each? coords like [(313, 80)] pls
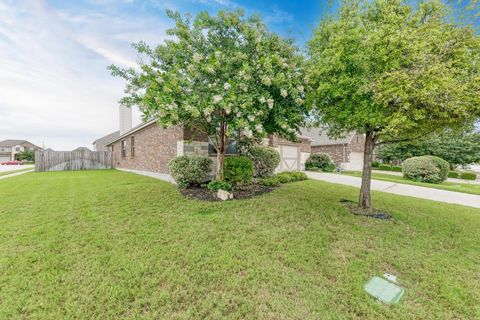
[(394, 72), (459, 149), (220, 75)]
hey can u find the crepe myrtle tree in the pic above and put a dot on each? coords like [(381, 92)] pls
[(220, 75), (394, 72)]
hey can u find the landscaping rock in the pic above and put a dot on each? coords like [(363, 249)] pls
[(224, 195)]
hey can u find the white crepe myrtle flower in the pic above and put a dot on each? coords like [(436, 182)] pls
[(283, 126), (259, 128), (239, 114), (248, 133), (197, 58), (283, 93), (210, 70), (262, 100), (208, 118), (159, 79), (270, 103), (300, 88), (285, 65), (267, 81), (217, 99), (251, 117), (226, 86), (299, 101), (218, 54)]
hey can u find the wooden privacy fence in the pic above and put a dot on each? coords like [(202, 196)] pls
[(72, 160)]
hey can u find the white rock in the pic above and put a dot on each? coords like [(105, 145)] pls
[(224, 195)]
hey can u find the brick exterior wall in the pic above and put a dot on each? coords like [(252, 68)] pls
[(154, 148), (338, 152)]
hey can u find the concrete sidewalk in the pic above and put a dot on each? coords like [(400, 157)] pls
[(13, 174), (448, 179), (465, 199)]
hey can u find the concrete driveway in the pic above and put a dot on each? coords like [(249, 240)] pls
[(465, 199)]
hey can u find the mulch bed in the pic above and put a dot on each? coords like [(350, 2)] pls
[(372, 213), (243, 192)]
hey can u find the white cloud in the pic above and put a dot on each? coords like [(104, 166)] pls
[(54, 85)]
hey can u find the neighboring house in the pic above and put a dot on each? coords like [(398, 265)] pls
[(346, 152), (10, 148), (101, 143), (149, 147)]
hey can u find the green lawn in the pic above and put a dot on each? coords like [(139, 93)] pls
[(4, 173), (114, 245), (447, 185)]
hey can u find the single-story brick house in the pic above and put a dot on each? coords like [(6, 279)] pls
[(346, 152), (10, 148), (149, 147)]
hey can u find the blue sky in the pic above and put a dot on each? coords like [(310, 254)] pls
[(54, 86)]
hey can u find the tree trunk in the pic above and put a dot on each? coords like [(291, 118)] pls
[(221, 148), (365, 199)]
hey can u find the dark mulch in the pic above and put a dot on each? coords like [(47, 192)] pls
[(243, 192), (372, 213)]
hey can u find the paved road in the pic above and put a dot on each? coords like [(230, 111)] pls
[(465, 199)]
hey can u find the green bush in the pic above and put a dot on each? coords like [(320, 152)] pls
[(321, 161), (397, 168), (468, 176), (422, 169), (265, 160), (297, 175), (216, 185), (443, 165), (454, 174), (190, 170), (375, 164), (270, 181), (385, 167), (284, 177), (238, 170)]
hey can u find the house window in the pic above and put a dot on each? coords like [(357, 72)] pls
[(132, 147), (17, 149), (231, 147), (124, 148)]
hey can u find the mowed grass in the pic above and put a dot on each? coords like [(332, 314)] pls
[(446, 185), (114, 245)]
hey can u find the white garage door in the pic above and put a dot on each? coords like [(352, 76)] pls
[(290, 158), (4, 159), (356, 161)]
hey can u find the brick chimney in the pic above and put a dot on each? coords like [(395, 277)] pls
[(125, 119)]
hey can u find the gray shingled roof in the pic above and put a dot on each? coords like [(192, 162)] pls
[(108, 138), (320, 137), (11, 143)]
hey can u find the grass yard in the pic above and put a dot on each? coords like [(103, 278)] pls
[(114, 245), (447, 185)]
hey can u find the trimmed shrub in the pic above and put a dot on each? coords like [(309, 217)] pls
[(443, 165), (284, 177), (454, 174), (397, 168), (238, 170), (270, 181), (297, 175), (385, 167), (265, 160), (190, 170), (468, 176), (375, 164), (422, 169), (216, 185), (321, 161)]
